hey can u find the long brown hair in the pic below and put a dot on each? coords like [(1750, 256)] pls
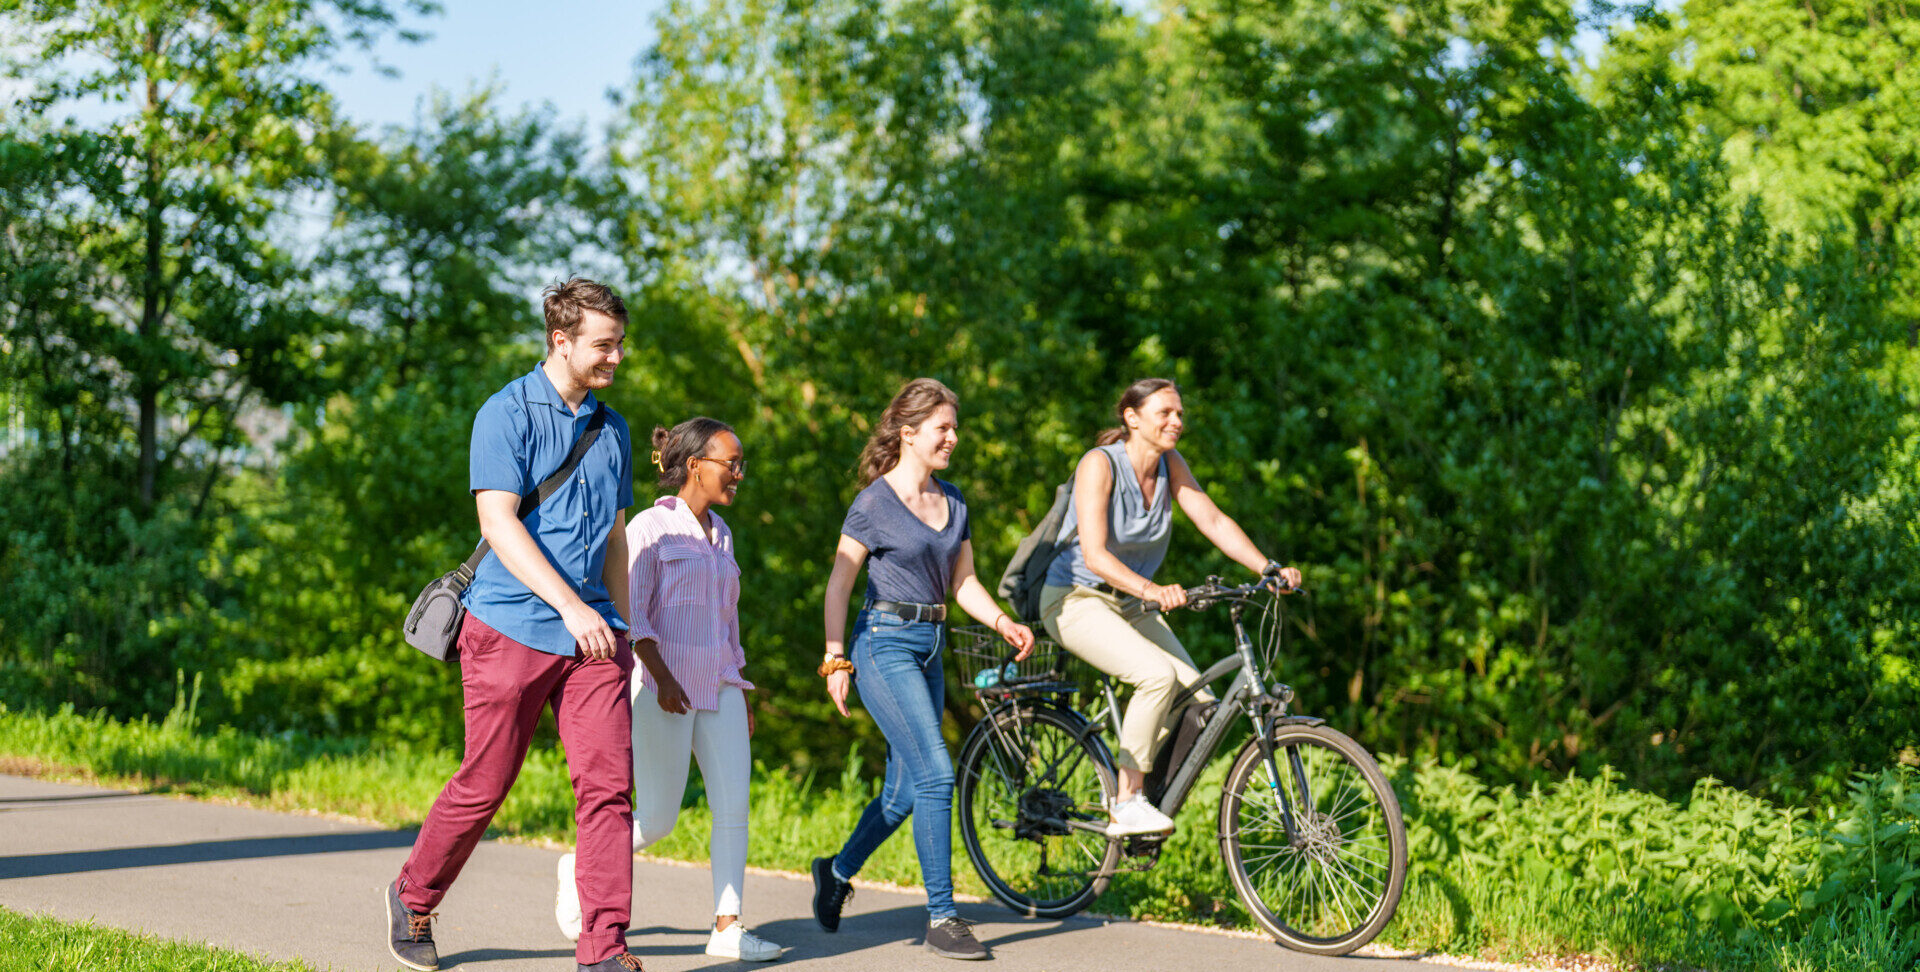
[(917, 399), (1135, 396)]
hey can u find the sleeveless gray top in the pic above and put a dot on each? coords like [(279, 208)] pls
[(1136, 531)]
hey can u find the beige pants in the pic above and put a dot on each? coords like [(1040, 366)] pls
[(1143, 654)]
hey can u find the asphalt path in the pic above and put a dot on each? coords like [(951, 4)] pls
[(282, 886)]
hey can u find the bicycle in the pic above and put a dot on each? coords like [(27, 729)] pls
[(1311, 832)]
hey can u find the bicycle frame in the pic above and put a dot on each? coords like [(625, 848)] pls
[(1265, 706), (1322, 879)]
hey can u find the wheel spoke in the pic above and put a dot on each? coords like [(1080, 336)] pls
[(1329, 886), (1053, 775)]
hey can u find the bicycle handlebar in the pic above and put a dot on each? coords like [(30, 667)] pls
[(1204, 595)]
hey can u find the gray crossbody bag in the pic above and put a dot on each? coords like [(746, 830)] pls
[(433, 624)]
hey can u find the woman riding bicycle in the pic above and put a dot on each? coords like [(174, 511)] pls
[(1114, 537)]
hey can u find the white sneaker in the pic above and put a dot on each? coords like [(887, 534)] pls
[(566, 900), (1135, 815), (736, 942)]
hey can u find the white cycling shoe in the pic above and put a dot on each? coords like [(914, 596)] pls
[(1135, 815), (736, 942), (566, 900)]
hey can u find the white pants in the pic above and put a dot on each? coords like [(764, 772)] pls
[(662, 741)]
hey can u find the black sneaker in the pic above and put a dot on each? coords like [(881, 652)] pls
[(623, 962), (410, 934), (830, 894), (953, 938)]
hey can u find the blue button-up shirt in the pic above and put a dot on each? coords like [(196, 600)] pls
[(521, 436)]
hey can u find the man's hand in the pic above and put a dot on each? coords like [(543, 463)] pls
[(590, 631)]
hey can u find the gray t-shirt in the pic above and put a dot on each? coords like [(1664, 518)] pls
[(907, 560), (1137, 531)]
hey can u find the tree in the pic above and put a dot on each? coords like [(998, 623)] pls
[(187, 306), (152, 291)]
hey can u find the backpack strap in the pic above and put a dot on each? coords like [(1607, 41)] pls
[(548, 486), (1113, 462)]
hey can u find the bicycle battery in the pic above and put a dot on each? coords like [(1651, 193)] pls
[(1178, 746)]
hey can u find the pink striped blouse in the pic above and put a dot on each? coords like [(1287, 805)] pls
[(685, 590)]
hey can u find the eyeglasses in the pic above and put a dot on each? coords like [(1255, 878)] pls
[(736, 466)]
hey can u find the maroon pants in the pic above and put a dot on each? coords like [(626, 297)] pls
[(507, 684)]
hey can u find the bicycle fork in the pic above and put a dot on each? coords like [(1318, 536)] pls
[(1266, 709)]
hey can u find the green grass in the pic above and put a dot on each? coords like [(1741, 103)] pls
[(1721, 881), (35, 943)]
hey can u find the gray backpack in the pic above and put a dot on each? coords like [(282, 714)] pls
[(1026, 571)]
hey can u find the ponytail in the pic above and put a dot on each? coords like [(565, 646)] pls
[(1135, 396)]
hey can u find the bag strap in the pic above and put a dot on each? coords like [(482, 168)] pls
[(548, 486), (1113, 462)]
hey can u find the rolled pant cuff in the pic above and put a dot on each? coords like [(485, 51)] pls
[(599, 946)]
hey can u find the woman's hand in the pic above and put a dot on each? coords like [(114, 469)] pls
[(1168, 596), (1289, 577), (672, 697), (747, 697), (837, 685), (1018, 635)]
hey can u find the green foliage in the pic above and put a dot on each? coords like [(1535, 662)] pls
[(1593, 457), (156, 308), (1722, 880)]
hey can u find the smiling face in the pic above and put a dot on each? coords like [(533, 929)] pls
[(590, 355), (711, 476), (932, 441), (1159, 421)]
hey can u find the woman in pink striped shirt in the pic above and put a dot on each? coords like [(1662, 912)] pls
[(690, 699)]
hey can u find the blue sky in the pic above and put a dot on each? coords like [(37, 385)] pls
[(567, 52)]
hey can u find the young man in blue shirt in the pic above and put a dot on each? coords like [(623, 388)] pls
[(544, 626)]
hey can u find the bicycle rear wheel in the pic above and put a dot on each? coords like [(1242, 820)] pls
[(1026, 777), (1331, 887)]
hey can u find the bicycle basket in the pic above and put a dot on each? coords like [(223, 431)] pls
[(981, 657)]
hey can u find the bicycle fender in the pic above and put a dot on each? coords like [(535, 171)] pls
[(1299, 720)]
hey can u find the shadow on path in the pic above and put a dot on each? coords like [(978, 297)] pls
[(9, 802), (77, 862), (896, 926), (504, 954)]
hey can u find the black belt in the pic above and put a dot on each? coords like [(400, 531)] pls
[(909, 610)]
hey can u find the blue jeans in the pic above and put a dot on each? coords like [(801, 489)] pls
[(898, 675)]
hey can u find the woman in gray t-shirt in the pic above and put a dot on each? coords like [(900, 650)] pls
[(911, 532), (1116, 531)]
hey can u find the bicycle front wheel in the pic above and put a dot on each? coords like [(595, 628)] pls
[(1334, 882), (1030, 794)]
